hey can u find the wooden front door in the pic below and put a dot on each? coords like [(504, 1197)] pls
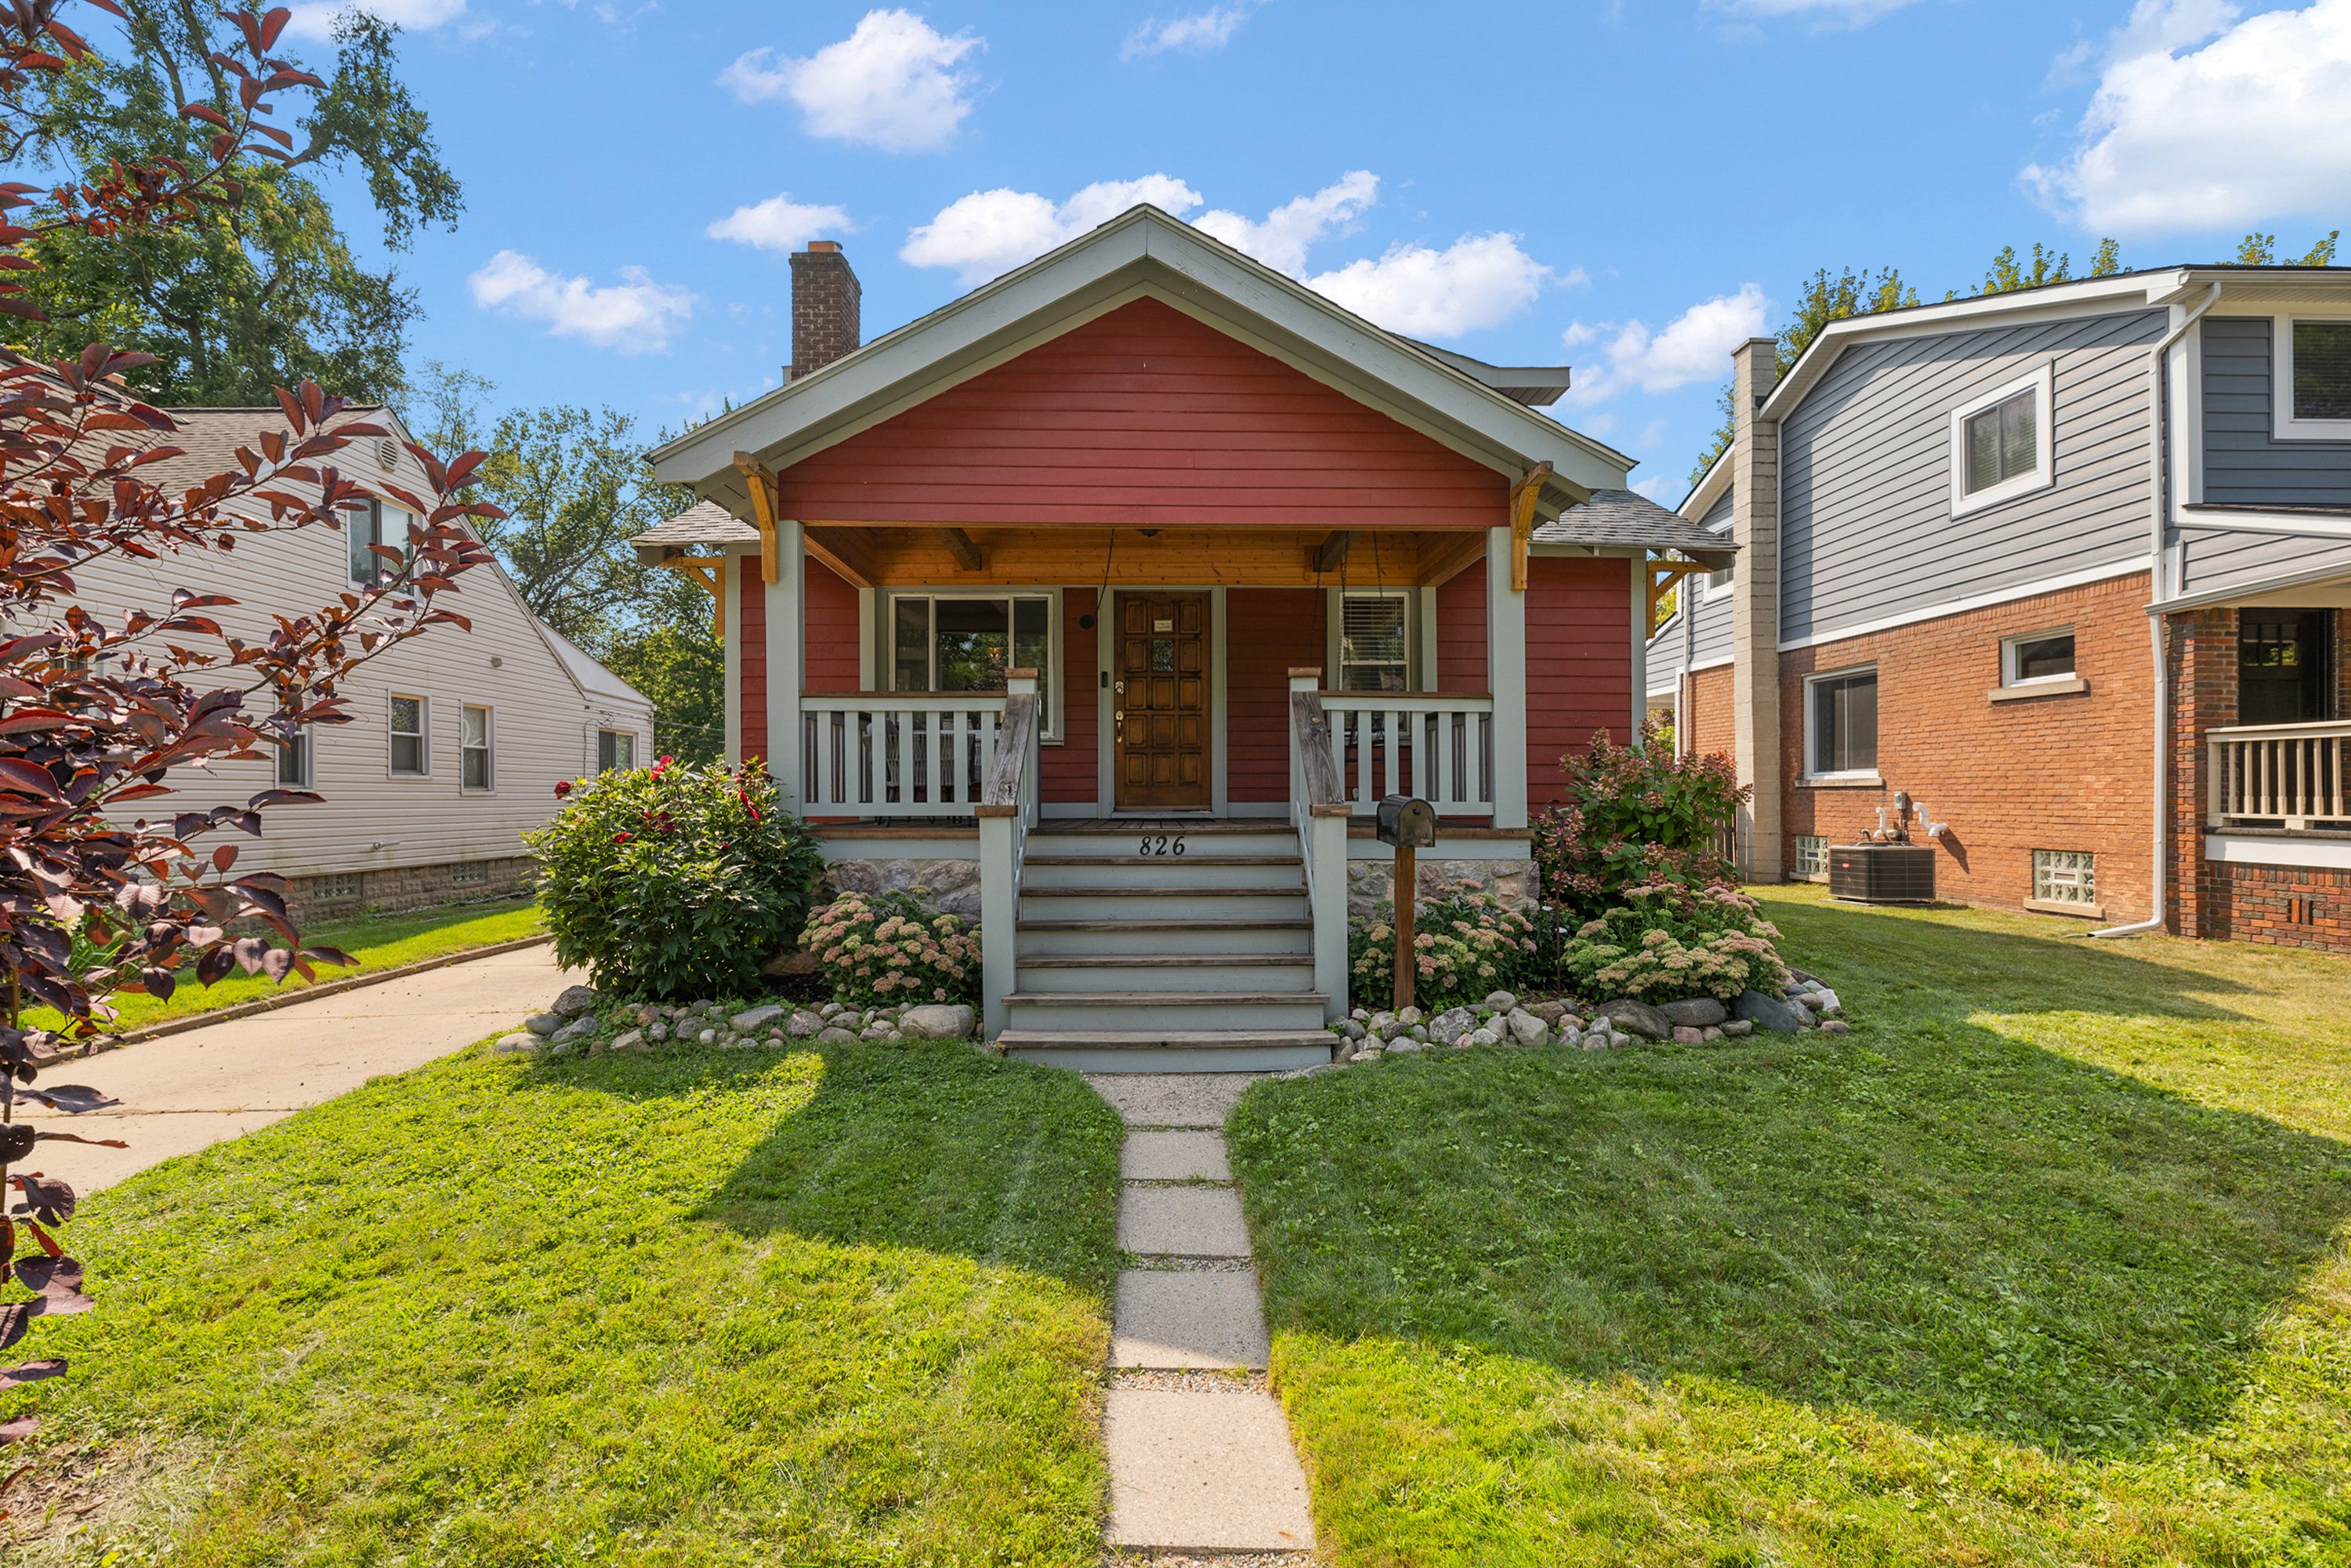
[(1159, 702)]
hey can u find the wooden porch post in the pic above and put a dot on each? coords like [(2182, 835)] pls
[(1506, 677)]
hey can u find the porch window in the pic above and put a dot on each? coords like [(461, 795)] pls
[(1840, 724), (1374, 650), (965, 642), (2285, 667)]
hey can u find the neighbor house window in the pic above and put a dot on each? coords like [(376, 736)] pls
[(2000, 442), (616, 750), (1374, 654), (1718, 582), (1840, 724), (1812, 855), (943, 642), (473, 748), (2042, 656), (296, 756), (409, 753), (2312, 379), (2066, 876), (375, 523)]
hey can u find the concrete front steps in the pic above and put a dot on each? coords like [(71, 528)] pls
[(1134, 957)]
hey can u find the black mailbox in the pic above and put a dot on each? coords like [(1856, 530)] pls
[(1408, 822)]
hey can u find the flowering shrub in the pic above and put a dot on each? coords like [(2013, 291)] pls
[(673, 882), (1669, 940), (1466, 944), (885, 947), (1633, 816)]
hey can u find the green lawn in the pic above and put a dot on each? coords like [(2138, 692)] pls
[(377, 941), (843, 1307), (2043, 1263)]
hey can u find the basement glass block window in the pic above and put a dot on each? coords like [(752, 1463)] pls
[(2322, 370), (465, 873), (2066, 876), (1812, 855), (616, 751), (941, 642), (340, 885), (1374, 655), (2002, 443), (1841, 722), (408, 753)]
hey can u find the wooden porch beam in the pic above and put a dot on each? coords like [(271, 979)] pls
[(710, 571), (966, 554), (1331, 554), (1441, 562), (1663, 575), (766, 506), (1523, 496), (849, 551)]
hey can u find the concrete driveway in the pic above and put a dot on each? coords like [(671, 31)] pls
[(186, 1090)]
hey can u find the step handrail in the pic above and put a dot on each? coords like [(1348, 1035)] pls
[(1007, 811), (1319, 810)]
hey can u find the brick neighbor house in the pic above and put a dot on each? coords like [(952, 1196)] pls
[(1107, 600), (2071, 567)]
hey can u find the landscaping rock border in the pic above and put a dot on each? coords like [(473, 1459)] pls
[(1368, 1035), (583, 1022)]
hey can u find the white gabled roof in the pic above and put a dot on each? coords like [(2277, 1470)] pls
[(1142, 253)]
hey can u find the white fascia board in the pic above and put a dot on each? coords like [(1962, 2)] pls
[(1710, 484), (2306, 577), (2261, 849), (1143, 252), (2091, 296), (2314, 527)]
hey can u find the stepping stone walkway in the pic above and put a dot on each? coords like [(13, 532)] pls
[(1201, 1465)]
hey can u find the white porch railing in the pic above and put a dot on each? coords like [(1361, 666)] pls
[(1318, 809), (897, 754), (1436, 744), (1007, 809), (2296, 776)]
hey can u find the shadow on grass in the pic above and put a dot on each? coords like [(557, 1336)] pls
[(1925, 1219)]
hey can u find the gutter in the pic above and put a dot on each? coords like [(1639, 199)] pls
[(2157, 513)]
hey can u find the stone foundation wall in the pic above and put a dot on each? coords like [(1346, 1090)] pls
[(1373, 882), (391, 888), (947, 887)]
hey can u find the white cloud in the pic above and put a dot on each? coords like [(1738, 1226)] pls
[(989, 233), (1827, 12), (892, 83), (635, 315), (1694, 347), (2252, 126), (1281, 239), (779, 224), (1477, 281), (1194, 34), (1578, 334), (318, 20), (1657, 487)]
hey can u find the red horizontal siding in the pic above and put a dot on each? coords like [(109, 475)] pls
[(751, 630), (1579, 663), (1144, 417), (1461, 630), (1269, 632), (1068, 773), (829, 634)]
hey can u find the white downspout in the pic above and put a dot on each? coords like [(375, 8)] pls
[(2158, 541)]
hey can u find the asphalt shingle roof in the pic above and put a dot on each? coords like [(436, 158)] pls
[(1621, 518), (702, 523)]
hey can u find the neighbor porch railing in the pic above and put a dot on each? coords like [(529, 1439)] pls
[(897, 754), (1318, 809), (2293, 776), (1007, 809), (1439, 745)]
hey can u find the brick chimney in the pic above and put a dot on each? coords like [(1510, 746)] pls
[(825, 298)]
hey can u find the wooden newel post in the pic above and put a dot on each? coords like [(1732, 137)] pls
[(1405, 824)]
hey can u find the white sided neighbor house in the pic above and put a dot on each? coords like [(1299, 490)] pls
[(456, 738), (1108, 601)]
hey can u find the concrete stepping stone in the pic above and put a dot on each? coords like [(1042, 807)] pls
[(1172, 1099), (1175, 1156), (1182, 1222), (1172, 1319), (1203, 1472)]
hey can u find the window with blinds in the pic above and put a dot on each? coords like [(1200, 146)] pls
[(2322, 370), (2003, 442), (1374, 654)]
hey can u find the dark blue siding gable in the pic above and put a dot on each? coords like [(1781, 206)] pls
[(1866, 530), (2245, 465)]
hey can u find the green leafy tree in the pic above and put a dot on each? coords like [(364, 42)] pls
[(681, 667), (1823, 297), (2261, 250), (265, 291), (2007, 274)]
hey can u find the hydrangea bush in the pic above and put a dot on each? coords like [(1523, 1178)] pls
[(1466, 944), (1667, 940), (885, 948), (1634, 816), (673, 883)]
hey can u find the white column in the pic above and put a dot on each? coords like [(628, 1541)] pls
[(1506, 678), (785, 676)]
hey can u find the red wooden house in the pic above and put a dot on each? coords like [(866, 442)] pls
[(1133, 578)]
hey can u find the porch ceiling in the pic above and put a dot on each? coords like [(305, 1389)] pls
[(910, 555)]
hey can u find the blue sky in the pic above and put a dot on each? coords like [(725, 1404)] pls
[(1628, 187)]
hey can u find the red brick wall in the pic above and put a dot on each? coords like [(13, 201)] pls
[(1268, 632), (1579, 663), (1706, 709), (829, 632), (1461, 631), (2058, 772), (2290, 906), (750, 628)]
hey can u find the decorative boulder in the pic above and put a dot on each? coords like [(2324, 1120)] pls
[(543, 1023), (757, 1018), (1738, 1027), (575, 1000), (623, 1044), (940, 1021), (1630, 1017), (790, 961), (519, 1043), (1452, 1024), (1770, 1013), (803, 1025), (1405, 1047), (1526, 1027), (1550, 1012), (835, 1034), (1698, 1012), (1685, 1034), (579, 1028), (1479, 1037), (1500, 1001)]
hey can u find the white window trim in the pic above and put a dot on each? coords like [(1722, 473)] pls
[(886, 622), (489, 746), (603, 730), (308, 736), (2010, 680), (2284, 426), (2042, 384), (424, 735), (1334, 620), (1712, 590), (1842, 775)]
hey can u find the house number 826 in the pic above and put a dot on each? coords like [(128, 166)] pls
[(1163, 844)]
